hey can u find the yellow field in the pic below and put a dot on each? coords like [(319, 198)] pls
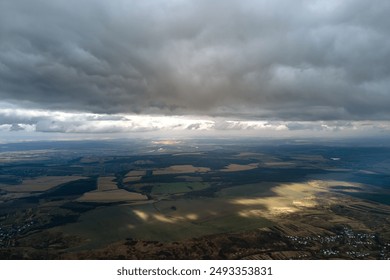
[(111, 196), (134, 176), (239, 167), (179, 169), (106, 184), (40, 184), (136, 173), (132, 179)]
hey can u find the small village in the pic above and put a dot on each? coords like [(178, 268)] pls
[(345, 244), (10, 233)]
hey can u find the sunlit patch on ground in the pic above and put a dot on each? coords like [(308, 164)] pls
[(290, 198)]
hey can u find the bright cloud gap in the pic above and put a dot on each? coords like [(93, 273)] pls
[(14, 119)]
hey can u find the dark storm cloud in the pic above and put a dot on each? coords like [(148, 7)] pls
[(288, 60)]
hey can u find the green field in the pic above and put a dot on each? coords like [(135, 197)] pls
[(258, 189), (169, 220), (235, 223), (179, 187)]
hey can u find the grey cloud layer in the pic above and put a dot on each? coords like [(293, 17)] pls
[(286, 60)]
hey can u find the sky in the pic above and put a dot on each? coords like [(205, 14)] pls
[(283, 68)]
